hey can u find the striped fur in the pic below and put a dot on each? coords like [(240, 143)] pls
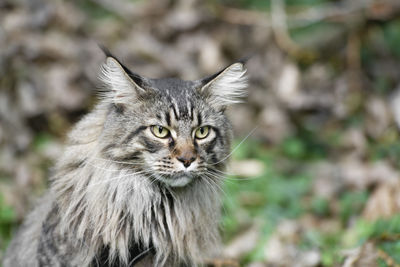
[(120, 192)]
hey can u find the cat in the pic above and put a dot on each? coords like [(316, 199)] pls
[(138, 183)]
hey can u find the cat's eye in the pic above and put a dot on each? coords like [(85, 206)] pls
[(159, 131), (202, 132)]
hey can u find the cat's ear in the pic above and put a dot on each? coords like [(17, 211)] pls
[(122, 85), (226, 87)]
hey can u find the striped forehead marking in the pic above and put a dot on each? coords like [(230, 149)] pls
[(176, 108), (189, 105), (181, 107)]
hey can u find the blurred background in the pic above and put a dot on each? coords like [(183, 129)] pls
[(316, 181)]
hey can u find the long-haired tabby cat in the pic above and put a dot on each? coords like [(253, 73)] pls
[(139, 179)]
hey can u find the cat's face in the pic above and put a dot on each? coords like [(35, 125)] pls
[(173, 131), (183, 138)]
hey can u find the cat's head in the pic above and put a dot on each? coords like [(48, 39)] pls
[(173, 131)]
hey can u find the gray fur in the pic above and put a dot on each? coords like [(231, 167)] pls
[(117, 184)]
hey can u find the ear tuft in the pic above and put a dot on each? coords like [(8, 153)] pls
[(120, 86), (226, 87)]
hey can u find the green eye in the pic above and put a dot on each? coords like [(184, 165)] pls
[(202, 132), (159, 131)]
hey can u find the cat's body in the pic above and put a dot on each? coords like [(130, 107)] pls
[(138, 183)]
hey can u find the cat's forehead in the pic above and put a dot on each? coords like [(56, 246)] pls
[(172, 86), (179, 103), (177, 94)]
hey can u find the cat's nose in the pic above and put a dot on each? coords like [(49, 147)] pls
[(186, 160)]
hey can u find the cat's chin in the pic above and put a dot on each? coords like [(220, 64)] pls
[(178, 180)]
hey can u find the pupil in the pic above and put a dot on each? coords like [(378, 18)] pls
[(202, 130), (160, 129)]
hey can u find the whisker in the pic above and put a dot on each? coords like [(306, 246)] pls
[(230, 178), (221, 172), (215, 175), (210, 185), (214, 184), (236, 148)]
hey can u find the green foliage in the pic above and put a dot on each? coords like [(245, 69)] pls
[(248, 4), (388, 148), (304, 146), (320, 206), (95, 10), (351, 204), (386, 228), (281, 194), (266, 4), (271, 197), (294, 148), (327, 243), (314, 35), (7, 222), (306, 2), (385, 233), (278, 193), (392, 249), (382, 263), (41, 140), (250, 149), (392, 36)]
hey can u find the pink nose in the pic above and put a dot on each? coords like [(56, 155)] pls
[(186, 159)]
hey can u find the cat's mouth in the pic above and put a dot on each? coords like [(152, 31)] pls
[(177, 179)]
